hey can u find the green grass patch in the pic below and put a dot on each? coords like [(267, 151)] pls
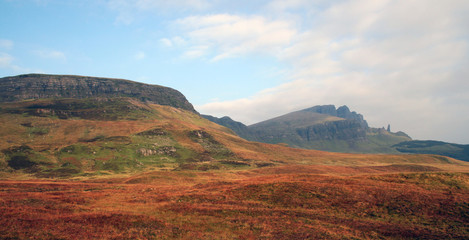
[(87, 108), (124, 153), (25, 158), (38, 131)]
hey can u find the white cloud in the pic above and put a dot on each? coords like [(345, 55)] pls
[(158, 4), (232, 35), (139, 55), (7, 62), (51, 54), (6, 44), (166, 42), (196, 52), (172, 42), (128, 10), (282, 5), (398, 62), (266, 104)]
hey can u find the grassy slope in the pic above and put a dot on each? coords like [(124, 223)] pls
[(284, 129), (217, 186), (294, 120), (90, 144), (74, 146), (457, 151)]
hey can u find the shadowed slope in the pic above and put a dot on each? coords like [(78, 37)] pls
[(322, 128), (458, 151)]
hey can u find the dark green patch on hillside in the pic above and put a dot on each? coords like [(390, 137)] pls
[(25, 158), (239, 128), (457, 151), (89, 108), (211, 146)]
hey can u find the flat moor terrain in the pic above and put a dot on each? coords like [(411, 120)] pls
[(286, 202)]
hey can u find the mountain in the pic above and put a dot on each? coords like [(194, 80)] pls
[(238, 127), (341, 130), (56, 125), (122, 166), (42, 86), (322, 127), (458, 151), (341, 112), (96, 136)]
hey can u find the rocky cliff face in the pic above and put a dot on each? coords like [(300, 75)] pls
[(342, 112), (322, 127), (37, 86), (323, 109), (337, 130)]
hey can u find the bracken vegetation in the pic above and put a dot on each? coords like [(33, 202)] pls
[(239, 205), (124, 169)]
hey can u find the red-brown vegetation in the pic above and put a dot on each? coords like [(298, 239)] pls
[(174, 175), (270, 203)]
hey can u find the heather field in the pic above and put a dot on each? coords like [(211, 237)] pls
[(243, 120), (124, 169), (268, 203)]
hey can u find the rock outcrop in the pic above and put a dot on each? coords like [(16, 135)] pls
[(342, 112), (322, 127), (40, 86), (238, 127), (336, 130)]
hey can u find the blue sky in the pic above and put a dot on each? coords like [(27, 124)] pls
[(399, 62)]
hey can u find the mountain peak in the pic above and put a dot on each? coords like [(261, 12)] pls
[(342, 112), (323, 109), (39, 86), (322, 127)]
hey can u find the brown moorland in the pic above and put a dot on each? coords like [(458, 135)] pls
[(158, 172), (272, 203)]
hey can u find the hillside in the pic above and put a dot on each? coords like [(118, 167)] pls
[(321, 128), (238, 127), (119, 167), (79, 137), (42, 86), (91, 129), (458, 151), (69, 137)]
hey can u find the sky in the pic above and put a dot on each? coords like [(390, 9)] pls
[(398, 62)]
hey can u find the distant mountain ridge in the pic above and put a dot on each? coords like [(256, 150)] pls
[(42, 86), (457, 151), (322, 127), (326, 128), (238, 127), (342, 112)]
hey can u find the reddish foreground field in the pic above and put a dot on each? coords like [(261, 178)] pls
[(289, 202)]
